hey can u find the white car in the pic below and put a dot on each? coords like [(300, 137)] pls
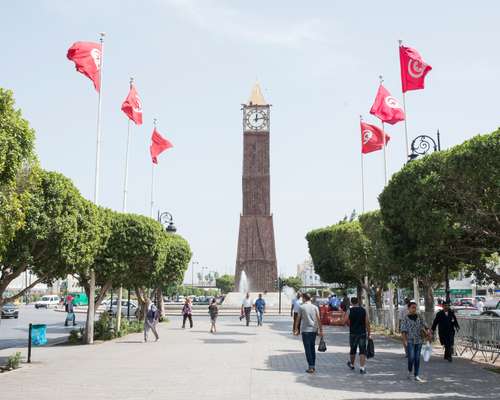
[(48, 301), (134, 308)]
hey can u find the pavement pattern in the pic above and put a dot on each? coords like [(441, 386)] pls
[(237, 363)]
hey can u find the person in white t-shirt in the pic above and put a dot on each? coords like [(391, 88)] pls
[(246, 308), (295, 311)]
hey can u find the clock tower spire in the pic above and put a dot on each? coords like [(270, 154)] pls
[(256, 248)]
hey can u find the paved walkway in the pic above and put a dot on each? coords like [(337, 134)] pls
[(238, 363)]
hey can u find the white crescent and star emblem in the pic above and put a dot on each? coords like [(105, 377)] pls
[(392, 102), (415, 68), (96, 56), (138, 108), (367, 135)]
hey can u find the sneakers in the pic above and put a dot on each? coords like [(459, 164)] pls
[(362, 371), (349, 364), (310, 370), (419, 379)]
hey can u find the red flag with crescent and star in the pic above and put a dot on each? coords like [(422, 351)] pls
[(372, 138), (158, 145), (413, 69), (87, 59), (386, 107), (132, 106)]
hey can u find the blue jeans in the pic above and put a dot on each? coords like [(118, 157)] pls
[(413, 350), (309, 341), (260, 315)]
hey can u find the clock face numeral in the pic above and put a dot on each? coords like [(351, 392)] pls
[(256, 119)]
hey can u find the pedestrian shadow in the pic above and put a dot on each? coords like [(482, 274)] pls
[(129, 341), (387, 376), (222, 341)]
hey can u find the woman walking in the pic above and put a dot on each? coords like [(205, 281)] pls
[(187, 313), (213, 310), (414, 330)]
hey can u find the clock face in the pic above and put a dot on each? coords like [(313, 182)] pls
[(256, 119)]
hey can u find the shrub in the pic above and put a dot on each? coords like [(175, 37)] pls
[(104, 328), (14, 361), (75, 336)]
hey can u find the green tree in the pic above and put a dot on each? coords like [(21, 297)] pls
[(293, 282), (339, 253), (16, 167), (225, 283), (52, 239), (441, 212)]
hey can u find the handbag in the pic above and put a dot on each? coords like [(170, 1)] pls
[(370, 349), (427, 351), (322, 345)]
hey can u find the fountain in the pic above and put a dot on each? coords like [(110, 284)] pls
[(243, 286)]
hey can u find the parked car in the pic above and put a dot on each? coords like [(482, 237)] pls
[(134, 308), (48, 301), (465, 302), (492, 304), (10, 310), (491, 313)]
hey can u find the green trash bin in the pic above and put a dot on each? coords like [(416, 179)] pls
[(38, 334)]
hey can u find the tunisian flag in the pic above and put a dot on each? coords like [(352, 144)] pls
[(132, 106), (413, 69), (372, 138), (158, 145), (87, 59), (386, 107)]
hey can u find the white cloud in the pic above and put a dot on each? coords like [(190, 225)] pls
[(230, 22)]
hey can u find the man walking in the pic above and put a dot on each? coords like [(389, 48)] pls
[(246, 308), (260, 308), (359, 332), (295, 311), (447, 322), (151, 321), (309, 322), (187, 313)]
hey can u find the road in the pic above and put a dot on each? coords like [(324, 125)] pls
[(14, 332)]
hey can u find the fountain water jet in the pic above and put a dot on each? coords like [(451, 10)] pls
[(243, 286)]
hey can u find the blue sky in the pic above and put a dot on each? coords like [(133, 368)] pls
[(195, 62)]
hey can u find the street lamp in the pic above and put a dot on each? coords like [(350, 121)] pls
[(420, 146), (167, 220)]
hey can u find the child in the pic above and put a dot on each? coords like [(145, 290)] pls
[(213, 310)]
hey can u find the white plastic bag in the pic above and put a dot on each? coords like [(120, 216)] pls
[(427, 351)]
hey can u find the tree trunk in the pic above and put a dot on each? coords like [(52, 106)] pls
[(119, 309), (428, 300), (142, 301), (359, 293), (89, 325), (160, 303), (379, 303)]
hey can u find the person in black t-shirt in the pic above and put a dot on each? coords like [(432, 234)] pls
[(359, 332)]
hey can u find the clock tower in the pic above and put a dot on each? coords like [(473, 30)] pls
[(256, 249)]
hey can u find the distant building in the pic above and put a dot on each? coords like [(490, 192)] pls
[(70, 284), (305, 271)]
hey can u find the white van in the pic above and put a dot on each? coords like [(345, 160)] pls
[(47, 301)]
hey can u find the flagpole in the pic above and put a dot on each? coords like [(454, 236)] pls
[(383, 138), (404, 109), (124, 209), (416, 294), (362, 172), (155, 121), (89, 332), (125, 180)]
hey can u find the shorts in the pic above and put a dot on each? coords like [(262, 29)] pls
[(356, 341)]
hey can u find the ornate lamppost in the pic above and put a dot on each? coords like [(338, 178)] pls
[(167, 220), (420, 146)]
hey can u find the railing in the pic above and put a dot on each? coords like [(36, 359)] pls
[(479, 335), (476, 335)]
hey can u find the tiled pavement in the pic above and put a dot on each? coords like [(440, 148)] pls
[(238, 363)]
